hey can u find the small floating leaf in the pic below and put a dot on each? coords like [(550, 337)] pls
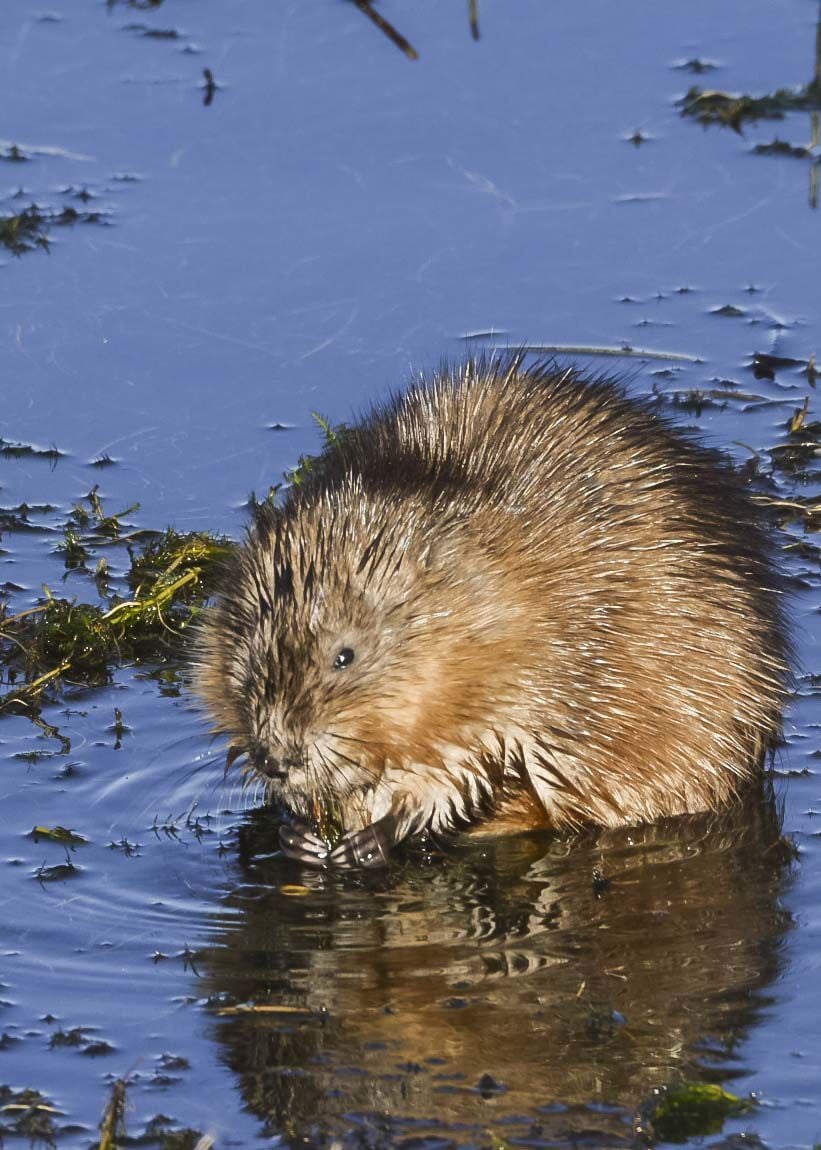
[(58, 835)]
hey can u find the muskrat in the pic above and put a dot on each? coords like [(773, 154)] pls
[(511, 596)]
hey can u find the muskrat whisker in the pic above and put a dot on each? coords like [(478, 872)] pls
[(340, 770), (350, 738), (371, 772)]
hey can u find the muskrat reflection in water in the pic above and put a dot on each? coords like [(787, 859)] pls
[(512, 597), (571, 969)]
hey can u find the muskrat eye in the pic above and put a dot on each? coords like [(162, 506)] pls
[(343, 659)]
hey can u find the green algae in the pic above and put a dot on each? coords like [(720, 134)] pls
[(693, 1110), (169, 577)]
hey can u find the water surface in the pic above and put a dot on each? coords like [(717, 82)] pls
[(335, 219)]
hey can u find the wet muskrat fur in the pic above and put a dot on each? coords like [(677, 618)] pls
[(512, 597)]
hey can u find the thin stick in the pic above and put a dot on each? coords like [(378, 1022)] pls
[(33, 688), (111, 1126), (22, 615), (396, 37), (156, 601), (473, 16), (583, 349)]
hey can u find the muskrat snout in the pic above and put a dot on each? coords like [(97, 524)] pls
[(277, 767)]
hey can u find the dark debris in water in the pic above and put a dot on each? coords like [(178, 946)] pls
[(696, 65), (58, 872), (150, 33), (14, 155), (779, 147)]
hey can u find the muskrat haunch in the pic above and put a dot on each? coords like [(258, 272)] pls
[(512, 597)]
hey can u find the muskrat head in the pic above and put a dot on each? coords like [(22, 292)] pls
[(348, 645)]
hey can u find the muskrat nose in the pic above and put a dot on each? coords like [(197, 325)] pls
[(270, 767), (278, 766)]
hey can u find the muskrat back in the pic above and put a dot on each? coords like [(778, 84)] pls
[(510, 596)]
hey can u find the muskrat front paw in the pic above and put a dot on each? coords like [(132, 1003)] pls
[(366, 848), (300, 843)]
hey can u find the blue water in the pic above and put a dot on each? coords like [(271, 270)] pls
[(337, 219)]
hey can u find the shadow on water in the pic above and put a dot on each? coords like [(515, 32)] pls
[(539, 987)]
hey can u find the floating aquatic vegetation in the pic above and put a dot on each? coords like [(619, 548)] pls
[(24, 231), (735, 110), (29, 229), (692, 1110), (297, 475), (11, 450), (27, 1114), (712, 106), (61, 835), (167, 581)]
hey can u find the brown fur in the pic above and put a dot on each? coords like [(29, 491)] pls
[(563, 611)]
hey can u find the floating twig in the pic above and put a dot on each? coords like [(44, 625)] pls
[(473, 16), (112, 1126), (584, 349), (396, 37), (209, 87)]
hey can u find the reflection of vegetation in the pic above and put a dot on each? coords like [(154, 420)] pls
[(734, 111)]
